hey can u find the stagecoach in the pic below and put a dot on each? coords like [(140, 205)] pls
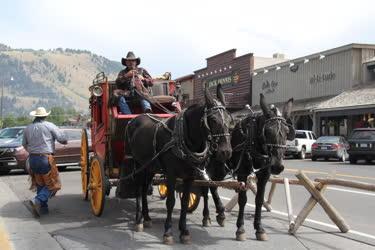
[(107, 165)]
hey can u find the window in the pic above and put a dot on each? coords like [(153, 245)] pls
[(310, 136), (314, 136), (363, 134), (9, 133), (301, 135)]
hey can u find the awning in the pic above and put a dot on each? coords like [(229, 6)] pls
[(363, 97)]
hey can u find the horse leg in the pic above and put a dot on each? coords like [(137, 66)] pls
[(220, 218), (242, 199), (206, 212), (185, 236), (168, 237), (260, 233), (138, 215), (147, 222)]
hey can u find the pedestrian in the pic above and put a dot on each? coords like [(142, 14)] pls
[(39, 141)]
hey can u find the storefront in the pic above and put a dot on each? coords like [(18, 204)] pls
[(333, 89)]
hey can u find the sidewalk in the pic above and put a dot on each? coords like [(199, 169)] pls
[(18, 228)]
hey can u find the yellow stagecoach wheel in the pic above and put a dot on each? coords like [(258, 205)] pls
[(97, 186), (194, 200), (84, 162), (163, 191)]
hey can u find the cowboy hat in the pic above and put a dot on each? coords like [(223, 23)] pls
[(40, 112), (130, 56)]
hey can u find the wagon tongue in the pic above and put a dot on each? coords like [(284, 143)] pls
[(201, 174)]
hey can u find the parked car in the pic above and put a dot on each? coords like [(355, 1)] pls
[(362, 145), (330, 147), (301, 145), (13, 155), (70, 154)]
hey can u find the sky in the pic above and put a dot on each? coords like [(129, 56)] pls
[(177, 36)]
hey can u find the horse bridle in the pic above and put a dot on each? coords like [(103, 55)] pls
[(214, 138), (280, 120)]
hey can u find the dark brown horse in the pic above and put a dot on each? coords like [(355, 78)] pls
[(184, 144), (258, 143)]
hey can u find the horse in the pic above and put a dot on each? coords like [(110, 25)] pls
[(258, 143), (182, 146)]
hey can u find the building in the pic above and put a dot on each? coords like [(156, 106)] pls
[(187, 88), (234, 73), (334, 90)]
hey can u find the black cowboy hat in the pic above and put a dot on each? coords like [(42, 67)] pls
[(130, 56)]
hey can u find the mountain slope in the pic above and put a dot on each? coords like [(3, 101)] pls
[(58, 77)]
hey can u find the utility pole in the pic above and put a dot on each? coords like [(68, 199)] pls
[(2, 97)]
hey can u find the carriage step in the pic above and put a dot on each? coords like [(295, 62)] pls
[(128, 157)]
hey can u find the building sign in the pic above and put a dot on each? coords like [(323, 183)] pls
[(233, 78), (269, 87), (323, 77)]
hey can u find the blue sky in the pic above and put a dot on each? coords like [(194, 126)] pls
[(177, 36)]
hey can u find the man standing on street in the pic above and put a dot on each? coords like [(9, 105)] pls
[(39, 140)]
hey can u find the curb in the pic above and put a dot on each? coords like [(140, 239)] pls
[(20, 229)]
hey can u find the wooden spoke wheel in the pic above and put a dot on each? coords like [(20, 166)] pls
[(84, 162), (162, 188), (194, 200), (97, 186)]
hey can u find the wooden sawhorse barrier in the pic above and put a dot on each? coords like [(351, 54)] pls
[(315, 188)]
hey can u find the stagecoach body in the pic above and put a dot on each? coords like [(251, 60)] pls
[(103, 168)]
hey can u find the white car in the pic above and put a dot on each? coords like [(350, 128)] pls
[(301, 145)]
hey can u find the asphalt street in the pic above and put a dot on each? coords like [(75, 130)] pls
[(73, 226)]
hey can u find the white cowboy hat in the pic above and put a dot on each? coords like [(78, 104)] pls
[(40, 112)]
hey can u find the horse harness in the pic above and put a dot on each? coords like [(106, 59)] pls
[(178, 145), (248, 146)]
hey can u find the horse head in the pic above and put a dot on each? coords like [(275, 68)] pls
[(276, 130), (217, 121)]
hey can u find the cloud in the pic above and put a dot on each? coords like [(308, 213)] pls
[(177, 36)]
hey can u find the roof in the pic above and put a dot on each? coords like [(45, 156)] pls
[(261, 62), (325, 52), (184, 78), (364, 96)]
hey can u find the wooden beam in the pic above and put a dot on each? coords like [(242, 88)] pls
[(347, 183), (328, 208), (310, 204)]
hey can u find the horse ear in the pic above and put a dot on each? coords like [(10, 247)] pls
[(208, 96), (287, 110), (266, 110), (220, 94)]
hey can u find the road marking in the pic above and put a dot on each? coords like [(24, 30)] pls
[(310, 220), (326, 173), (4, 239), (351, 191)]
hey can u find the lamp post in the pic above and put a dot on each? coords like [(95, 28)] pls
[(2, 97)]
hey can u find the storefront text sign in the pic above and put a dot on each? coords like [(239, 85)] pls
[(323, 77), (233, 78)]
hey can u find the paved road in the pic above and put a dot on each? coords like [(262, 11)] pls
[(74, 227)]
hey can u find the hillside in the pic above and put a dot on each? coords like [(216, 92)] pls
[(50, 78)]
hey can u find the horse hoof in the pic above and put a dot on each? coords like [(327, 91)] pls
[(139, 228), (185, 239), (206, 222), (240, 236), (168, 240), (220, 220), (261, 236), (147, 224)]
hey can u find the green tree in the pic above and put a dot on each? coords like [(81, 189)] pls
[(9, 121)]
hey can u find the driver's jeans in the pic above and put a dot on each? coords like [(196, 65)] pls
[(125, 109)]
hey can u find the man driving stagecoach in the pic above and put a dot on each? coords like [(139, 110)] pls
[(133, 81)]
